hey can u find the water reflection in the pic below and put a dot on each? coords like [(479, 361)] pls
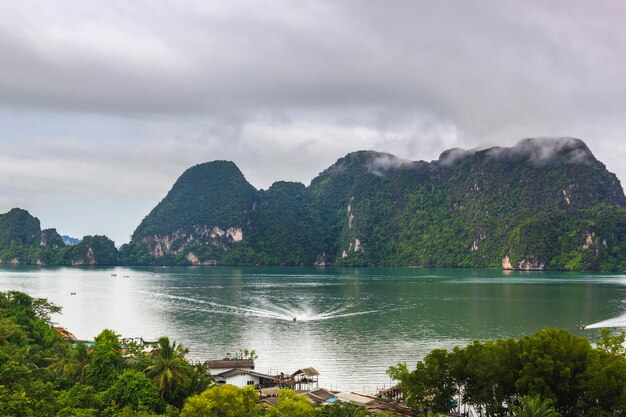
[(351, 323)]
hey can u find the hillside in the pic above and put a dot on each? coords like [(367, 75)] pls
[(22, 242), (542, 204)]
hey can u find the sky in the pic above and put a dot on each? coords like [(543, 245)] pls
[(104, 104)]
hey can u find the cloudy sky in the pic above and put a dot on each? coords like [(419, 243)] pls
[(104, 104)]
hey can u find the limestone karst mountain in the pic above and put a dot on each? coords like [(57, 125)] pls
[(541, 204)]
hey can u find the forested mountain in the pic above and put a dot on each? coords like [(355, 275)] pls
[(542, 204), (22, 242)]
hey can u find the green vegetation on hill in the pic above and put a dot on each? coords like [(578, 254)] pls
[(215, 192), (542, 204), (279, 234), (23, 242), (18, 227)]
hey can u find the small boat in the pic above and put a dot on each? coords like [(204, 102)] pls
[(583, 327), (295, 319), (113, 275), (72, 293)]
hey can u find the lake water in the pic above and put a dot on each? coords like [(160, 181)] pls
[(353, 323)]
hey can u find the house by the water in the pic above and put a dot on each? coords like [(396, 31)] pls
[(241, 373)]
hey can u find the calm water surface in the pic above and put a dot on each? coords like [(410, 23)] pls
[(352, 323)]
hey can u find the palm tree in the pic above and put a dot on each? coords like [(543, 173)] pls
[(82, 361), (534, 406), (64, 361), (169, 367)]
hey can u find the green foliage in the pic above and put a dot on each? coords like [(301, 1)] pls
[(42, 374), (488, 371), (200, 379), (222, 401), (553, 363), (431, 384), (15, 403), (133, 389), (291, 404), (66, 361), (106, 360), (286, 226), (169, 369), (552, 368), (246, 354), (79, 397), (615, 344), (92, 250), (534, 406)]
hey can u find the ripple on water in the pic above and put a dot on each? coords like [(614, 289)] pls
[(352, 323)]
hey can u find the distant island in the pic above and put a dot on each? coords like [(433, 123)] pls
[(541, 204)]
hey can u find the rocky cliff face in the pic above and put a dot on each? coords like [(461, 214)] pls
[(180, 241), (51, 238), (527, 207)]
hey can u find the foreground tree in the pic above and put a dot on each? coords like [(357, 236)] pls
[(200, 380), (603, 384), (65, 361), (487, 371), (222, 401), (431, 385), (553, 363), (291, 404), (579, 379), (169, 369), (42, 375), (106, 360), (134, 390)]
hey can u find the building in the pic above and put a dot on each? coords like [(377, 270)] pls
[(65, 334), (246, 377), (305, 379), (323, 397), (241, 373)]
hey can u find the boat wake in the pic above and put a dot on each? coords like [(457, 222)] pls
[(614, 322), (268, 310)]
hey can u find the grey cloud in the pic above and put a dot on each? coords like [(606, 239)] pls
[(471, 61), (452, 156), (382, 163), (540, 151), (111, 102)]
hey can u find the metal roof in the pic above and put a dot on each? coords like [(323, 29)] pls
[(235, 372), (228, 363)]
